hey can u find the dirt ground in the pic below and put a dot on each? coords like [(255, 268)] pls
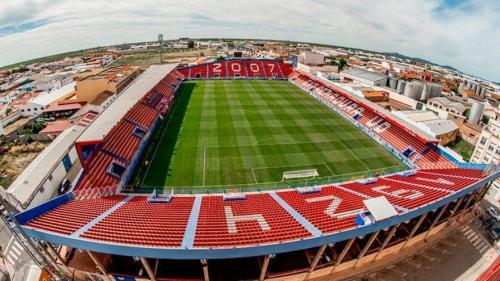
[(15, 125), (16, 160)]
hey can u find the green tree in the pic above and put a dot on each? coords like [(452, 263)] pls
[(8, 111), (190, 44), (342, 63)]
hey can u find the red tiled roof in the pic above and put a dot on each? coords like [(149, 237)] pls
[(63, 107), (56, 127)]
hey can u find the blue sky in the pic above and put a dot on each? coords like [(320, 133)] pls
[(461, 33)]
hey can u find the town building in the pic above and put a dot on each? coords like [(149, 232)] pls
[(444, 130), (48, 83), (113, 79), (364, 77), (444, 106), (38, 105), (487, 149)]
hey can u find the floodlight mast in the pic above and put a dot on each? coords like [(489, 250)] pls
[(160, 40)]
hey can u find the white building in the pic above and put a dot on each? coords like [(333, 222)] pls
[(444, 106), (52, 82), (443, 130), (40, 103), (313, 69), (365, 77), (40, 180), (487, 150), (311, 58)]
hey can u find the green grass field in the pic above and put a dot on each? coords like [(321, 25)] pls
[(246, 133)]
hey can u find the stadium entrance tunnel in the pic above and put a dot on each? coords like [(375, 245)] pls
[(356, 256)]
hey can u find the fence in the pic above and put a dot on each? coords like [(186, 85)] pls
[(290, 184), (25, 138)]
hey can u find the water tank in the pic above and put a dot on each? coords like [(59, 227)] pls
[(401, 86), (435, 90), (476, 111), (413, 90), (393, 83)]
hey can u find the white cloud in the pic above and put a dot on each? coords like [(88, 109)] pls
[(465, 36)]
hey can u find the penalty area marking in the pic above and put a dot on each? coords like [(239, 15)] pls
[(204, 161), (254, 177), (328, 167)]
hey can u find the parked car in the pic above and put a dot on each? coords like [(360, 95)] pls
[(64, 186), (493, 213), (495, 232), (488, 223)]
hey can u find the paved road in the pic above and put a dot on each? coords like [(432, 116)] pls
[(16, 263), (463, 256)]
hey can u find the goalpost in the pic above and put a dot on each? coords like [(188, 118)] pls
[(299, 174)]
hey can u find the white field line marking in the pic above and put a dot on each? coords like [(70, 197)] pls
[(254, 177), (356, 156), (340, 139), (291, 166), (333, 174), (256, 144), (204, 163), (271, 182)]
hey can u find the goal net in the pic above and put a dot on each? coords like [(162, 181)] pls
[(299, 174)]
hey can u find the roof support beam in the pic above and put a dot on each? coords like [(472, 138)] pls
[(204, 264), (387, 239), (315, 261), (263, 270), (415, 228), (367, 246), (459, 202), (146, 266), (99, 265), (56, 254), (343, 253), (435, 221)]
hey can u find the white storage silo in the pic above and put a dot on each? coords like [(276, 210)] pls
[(476, 111), (413, 90), (401, 86)]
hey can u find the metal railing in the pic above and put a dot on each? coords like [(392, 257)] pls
[(257, 187)]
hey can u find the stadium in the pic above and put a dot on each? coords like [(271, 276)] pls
[(247, 169)]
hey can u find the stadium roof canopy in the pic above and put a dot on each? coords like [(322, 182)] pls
[(130, 96)]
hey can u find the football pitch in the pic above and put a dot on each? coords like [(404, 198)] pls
[(246, 133)]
